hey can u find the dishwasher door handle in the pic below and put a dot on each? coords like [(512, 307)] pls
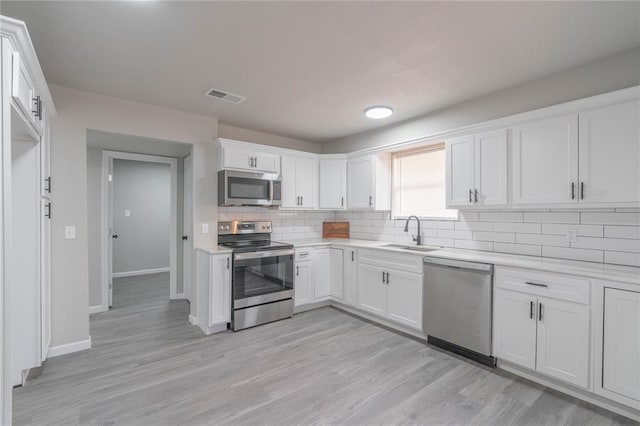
[(483, 268)]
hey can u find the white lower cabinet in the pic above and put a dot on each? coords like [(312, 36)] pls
[(543, 334), (321, 274), (213, 298), (392, 293), (621, 345), (312, 270), (302, 284), (350, 275), (336, 273)]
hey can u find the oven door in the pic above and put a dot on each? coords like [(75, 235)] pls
[(262, 277), (245, 188)]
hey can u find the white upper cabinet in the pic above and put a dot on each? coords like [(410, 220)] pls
[(477, 170), (369, 182), (544, 161), (243, 156), (609, 154), (299, 183), (333, 184)]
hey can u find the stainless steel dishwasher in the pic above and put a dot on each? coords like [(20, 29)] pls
[(457, 307)]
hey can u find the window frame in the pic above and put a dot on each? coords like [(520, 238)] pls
[(435, 146)]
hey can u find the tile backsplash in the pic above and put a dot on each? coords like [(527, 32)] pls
[(602, 235)]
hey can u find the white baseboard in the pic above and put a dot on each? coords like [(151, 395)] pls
[(140, 272), (97, 309), (193, 320), (68, 348)]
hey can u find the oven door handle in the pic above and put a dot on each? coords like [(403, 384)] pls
[(263, 254)]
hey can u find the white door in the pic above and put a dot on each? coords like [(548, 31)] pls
[(111, 235), (372, 291), (187, 235), (220, 290), (266, 162), (238, 158), (514, 327), (302, 284), (621, 352), (337, 272), (404, 298), (360, 183), (545, 161), (610, 154), (321, 274), (491, 167), (350, 276), (460, 173), (563, 341), (333, 184), (290, 196), (307, 182)]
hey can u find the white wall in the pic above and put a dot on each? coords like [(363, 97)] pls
[(606, 75), (77, 112), (142, 189)]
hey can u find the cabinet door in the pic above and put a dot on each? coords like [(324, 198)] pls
[(237, 158), (491, 167), (545, 161), (350, 276), (337, 273), (360, 183), (321, 275), (563, 341), (333, 184), (621, 351), (266, 162), (372, 291), (290, 196), (220, 290), (460, 173), (610, 154), (302, 284), (22, 89), (404, 298), (307, 182), (514, 327)]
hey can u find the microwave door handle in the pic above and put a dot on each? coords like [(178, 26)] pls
[(270, 191)]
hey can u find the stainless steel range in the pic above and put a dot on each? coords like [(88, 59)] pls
[(262, 279)]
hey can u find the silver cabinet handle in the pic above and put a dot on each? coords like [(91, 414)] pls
[(301, 200), (342, 202), (531, 314), (476, 195), (582, 190), (353, 255), (297, 271), (255, 161), (470, 196), (370, 200), (536, 284), (48, 185), (540, 311), (47, 213), (383, 277), (387, 278)]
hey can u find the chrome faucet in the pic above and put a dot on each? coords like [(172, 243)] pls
[(418, 238)]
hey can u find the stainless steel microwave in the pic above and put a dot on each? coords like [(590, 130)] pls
[(249, 188)]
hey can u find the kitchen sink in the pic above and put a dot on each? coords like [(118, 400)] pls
[(412, 248)]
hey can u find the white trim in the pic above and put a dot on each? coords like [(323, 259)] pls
[(68, 348), (140, 272), (107, 156), (193, 320), (96, 309)]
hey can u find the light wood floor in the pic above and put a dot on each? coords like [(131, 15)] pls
[(149, 366)]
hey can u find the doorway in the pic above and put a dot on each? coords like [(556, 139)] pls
[(140, 219)]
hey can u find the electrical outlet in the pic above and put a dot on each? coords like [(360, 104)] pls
[(572, 235), (205, 228), (69, 232), (127, 213)]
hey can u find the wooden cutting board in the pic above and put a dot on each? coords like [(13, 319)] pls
[(335, 229)]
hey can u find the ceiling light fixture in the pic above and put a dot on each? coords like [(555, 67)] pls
[(378, 111)]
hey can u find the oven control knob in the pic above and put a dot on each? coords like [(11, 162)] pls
[(264, 227)]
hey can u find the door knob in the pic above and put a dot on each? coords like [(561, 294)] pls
[(114, 236), (185, 237)]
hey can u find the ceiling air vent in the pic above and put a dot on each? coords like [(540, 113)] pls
[(225, 96)]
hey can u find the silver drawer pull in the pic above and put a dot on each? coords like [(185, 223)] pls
[(536, 284)]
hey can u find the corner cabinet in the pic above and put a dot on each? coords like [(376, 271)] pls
[(235, 155), (477, 170), (299, 183), (369, 182), (213, 284)]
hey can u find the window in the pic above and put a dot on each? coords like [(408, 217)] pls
[(419, 183)]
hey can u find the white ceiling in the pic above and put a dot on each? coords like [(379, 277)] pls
[(137, 144), (308, 69)]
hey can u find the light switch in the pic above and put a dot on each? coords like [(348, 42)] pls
[(205, 228), (127, 213), (69, 232)]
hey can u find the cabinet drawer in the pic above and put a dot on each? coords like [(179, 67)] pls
[(557, 286), (303, 254), (388, 260)]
